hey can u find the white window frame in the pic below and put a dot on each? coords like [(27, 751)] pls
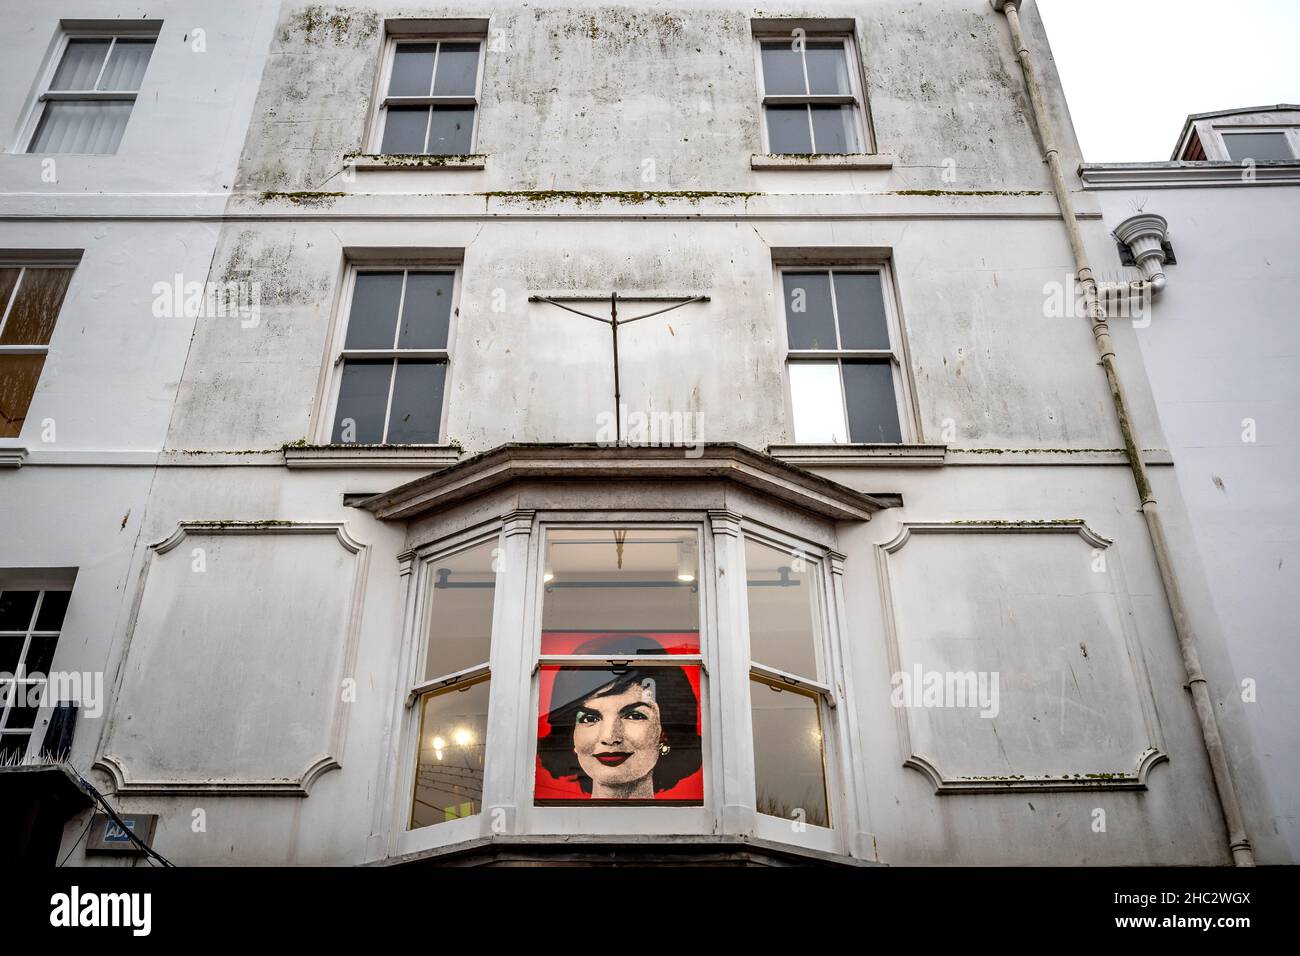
[(825, 689), (7, 306), (383, 101), (1290, 133), (516, 659), (109, 31), (23, 684), (596, 819), (339, 354), (856, 96), (896, 354)]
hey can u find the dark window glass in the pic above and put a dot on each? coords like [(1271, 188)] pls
[(833, 129), (1260, 147), (417, 403), (412, 70), (363, 399), (8, 279), (457, 70), (828, 73), (53, 606), (373, 321), (426, 311), (870, 402), (449, 771), (789, 772), (11, 652), (12, 747), (404, 130), (450, 130), (809, 321), (787, 129), (22, 714), (782, 69), (40, 653), (860, 303), (16, 609), (18, 377)]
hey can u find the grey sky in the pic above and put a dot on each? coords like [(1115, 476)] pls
[(1134, 69)]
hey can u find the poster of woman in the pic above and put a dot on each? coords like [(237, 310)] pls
[(627, 735)]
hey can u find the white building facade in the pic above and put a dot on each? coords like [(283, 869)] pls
[(389, 546)]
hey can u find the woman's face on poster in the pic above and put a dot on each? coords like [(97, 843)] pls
[(617, 737)]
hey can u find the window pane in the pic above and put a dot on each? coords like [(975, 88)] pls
[(363, 398), (782, 69), (417, 403), (40, 654), (621, 591), (817, 403), (781, 609), (450, 130), (828, 72), (412, 70), (833, 129), (80, 65), (1260, 147), (449, 771), (11, 652), (426, 311), (809, 320), (22, 712), (372, 323), (628, 735), (126, 65), (860, 303), (872, 406), (53, 606), (36, 307), (457, 70), (789, 772), (8, 279), (404, 129), (18, 377), (787, 129), (81, 127), (460, 629), (16, 609)]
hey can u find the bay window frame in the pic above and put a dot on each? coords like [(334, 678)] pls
[(516, 659)]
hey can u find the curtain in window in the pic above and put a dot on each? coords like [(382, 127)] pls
[(82, 127)]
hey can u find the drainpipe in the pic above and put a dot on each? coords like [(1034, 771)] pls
[(1234, 822)]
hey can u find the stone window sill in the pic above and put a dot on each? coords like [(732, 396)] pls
[(860, 454), (370, 456), (820, 161), (374, 161)]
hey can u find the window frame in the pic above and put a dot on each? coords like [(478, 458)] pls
[(338, 354), (1290, 135), (856, 96), (596, 818), (383, 100), (404, 837), (896, 355), (825, 690), (22, 265), (26, 681), (111, 31)]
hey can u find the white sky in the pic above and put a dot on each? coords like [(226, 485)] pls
[(1134, 69)]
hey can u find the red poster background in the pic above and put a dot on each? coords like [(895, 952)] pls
[(567, 789)]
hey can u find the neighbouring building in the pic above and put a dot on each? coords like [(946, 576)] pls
[(502, 432), (1222, 356)]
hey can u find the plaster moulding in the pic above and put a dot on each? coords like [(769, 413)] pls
[(943, 783), (317, 765)]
